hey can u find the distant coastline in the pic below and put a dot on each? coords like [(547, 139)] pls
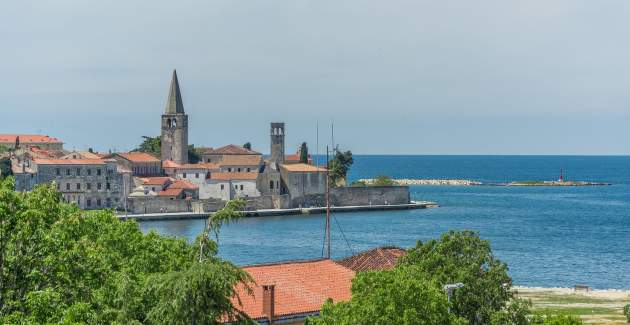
[(467, 182)]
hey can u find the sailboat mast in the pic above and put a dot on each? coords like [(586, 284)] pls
[(327, 205)]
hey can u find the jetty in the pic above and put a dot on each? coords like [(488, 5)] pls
[(281, 212)]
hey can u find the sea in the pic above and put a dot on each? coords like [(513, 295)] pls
[(548, 236)]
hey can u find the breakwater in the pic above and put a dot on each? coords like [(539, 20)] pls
[(449, 182)]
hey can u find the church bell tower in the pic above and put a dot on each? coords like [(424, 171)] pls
[(174, 126)]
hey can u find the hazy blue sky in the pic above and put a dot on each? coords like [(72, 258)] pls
[(415, 77)]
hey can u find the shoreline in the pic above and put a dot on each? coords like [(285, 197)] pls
[(468, 182)]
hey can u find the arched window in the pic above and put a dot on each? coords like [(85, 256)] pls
[(271, 185), (168, 123)]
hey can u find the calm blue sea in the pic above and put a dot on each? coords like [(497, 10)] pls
[(551, 237)]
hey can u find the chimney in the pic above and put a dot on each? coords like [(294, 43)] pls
[(269, 301)]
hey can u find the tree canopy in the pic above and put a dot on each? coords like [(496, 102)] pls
[(338, 167), (5, 167), (59, 264), (304, 153), (247, 146), (152, 145)]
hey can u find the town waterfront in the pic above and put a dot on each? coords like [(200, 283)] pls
[(549, 236)]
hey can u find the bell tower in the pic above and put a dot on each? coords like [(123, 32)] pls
[(277, 143), (174, 126)]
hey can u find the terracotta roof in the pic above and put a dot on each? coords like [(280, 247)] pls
[(302, 168), (28, 138), (241, 160), (69, 161), (192, 166), (233, 176), (211, 165), (300, 287), (155, 180), (183, 184), (138, 157), (41, 153), (296, 157), (171, 192), (230, 149), (170, 164), (381, 258)]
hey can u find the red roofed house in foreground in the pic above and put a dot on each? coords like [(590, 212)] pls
[(380, 258), (287, 293)]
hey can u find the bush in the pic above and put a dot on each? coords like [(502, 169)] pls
[(383, 180), (626, 311)]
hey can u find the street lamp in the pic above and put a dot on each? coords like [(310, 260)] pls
[(449, 288)]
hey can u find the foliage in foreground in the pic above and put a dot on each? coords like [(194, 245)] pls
[(626, 311), (412, 293), (5, 167), (59, 264)]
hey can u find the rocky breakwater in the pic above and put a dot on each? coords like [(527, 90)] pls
[(447, 182)]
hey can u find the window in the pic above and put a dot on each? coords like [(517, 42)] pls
[(88, 202), (222, 187), (108, 186), (278, 184), (249, 170), (89, 186), (98, 202), (58, 187), (196, 175), (235, 187), (89, 171), (229, 169), (78, 186), (57, 171), (239, 169), (241, 187), (208, 160), (184, 175), (67, 186), (108, 202), (271, 185), (78, 171), (98, 186), (98, 172), (67, 171)]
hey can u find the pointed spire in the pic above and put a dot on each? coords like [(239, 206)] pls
[(174, 103)]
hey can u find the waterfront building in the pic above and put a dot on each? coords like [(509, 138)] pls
[(269, 180), (90, 183), (15, 141), (300, 181), (174, 144), (232, 185)]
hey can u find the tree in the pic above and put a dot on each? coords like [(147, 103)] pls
[(152, 145), (59, 264), (383, 180), (193, 156), (338, 167), (4, 149), (304, 153), (464, 257), (5, 167), (397, 296), (626, 311), (247, 146)]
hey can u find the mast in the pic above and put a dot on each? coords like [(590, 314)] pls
[(327, 205)]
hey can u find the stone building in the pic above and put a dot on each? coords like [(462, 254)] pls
[(300, 181), (174, 126), (228, 186), (139, 163), (90, 183), (269, 182), (241, 163), (15, 141), (209, 155)]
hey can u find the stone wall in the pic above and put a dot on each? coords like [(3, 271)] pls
[(139, 205), (345, 196)]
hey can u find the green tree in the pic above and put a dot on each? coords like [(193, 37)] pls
[(152, 145), (383, 180), (304, 153), (462, 257), (247, 146), (338, 167), (626, 311), (4, 149), (193, 156), (59, 264), (5, 167), (398, 296)]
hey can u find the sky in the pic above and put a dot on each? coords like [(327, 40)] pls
[(395, 77)]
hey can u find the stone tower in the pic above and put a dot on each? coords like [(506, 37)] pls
[(175, 126), (277, 143)]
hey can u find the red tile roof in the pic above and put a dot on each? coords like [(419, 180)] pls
[(230, 149), (138, 157), (233, 176), (296, 158), (300, 287), (170, 164), (155, 180), (303, 168), (192, 166), (183, 184), (171, 192), (381, 258), (28, 138), (241, 160), (69, 161)]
